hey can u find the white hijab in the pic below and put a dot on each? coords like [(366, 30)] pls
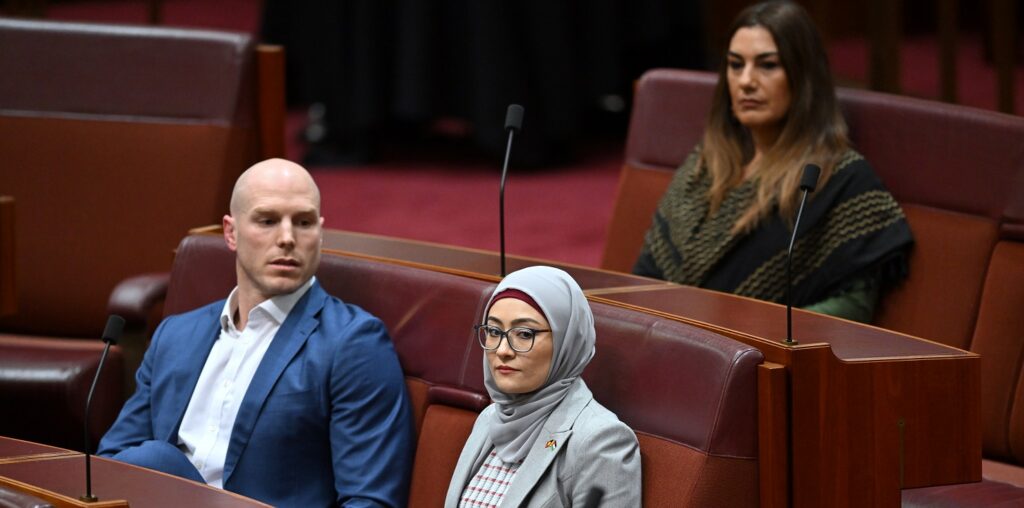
[(519, 418)]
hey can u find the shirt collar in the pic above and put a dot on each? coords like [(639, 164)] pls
[(277, 308)]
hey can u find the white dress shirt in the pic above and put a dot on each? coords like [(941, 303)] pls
[(206, 427)]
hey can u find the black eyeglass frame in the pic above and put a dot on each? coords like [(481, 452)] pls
[(504, 335)]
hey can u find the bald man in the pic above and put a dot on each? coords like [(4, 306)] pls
[(280, 392)]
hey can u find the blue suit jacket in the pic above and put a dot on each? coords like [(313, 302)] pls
[(326, 418)]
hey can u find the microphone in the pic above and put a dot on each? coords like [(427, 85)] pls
[(808, 181), (115, 324), (513, 123)]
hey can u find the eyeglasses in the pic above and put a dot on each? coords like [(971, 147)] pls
[(520, 339)]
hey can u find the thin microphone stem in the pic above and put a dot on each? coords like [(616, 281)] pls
[(789, 271), (88, 445), (501, 199)]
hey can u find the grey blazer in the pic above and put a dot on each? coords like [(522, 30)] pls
[(595, 460)]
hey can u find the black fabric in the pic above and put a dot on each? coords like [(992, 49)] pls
[(391, 64), (851, 229)]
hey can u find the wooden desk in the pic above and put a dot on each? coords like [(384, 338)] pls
[(847, 417), (866, 411), (63, 472)]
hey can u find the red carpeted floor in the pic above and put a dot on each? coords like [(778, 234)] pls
[(448, 194)]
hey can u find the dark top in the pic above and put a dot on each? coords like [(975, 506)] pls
[(852, 232)]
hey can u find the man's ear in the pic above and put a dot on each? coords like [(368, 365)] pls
[(228, 225)]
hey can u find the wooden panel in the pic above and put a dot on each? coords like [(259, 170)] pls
[(773, 434), (64, 479), (271, 109)]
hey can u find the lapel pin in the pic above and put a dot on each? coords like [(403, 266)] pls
[(551, 445)]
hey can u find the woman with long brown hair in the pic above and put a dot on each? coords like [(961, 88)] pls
[(725, 221)]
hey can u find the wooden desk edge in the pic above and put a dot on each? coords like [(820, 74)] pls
[(59, 500), (37, 456)]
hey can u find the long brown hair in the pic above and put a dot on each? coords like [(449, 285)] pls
[(813, 129)]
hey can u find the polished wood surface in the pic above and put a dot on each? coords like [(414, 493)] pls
[(767, 322), (58, 476), (16, 450), (773, 434), (467, 262), (848, 416)]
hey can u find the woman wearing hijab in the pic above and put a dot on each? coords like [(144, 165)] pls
[(725, 221), (544, 441)]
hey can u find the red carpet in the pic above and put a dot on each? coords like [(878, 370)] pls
[(553, 213)]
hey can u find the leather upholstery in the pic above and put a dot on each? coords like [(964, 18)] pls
[(129, 123), (116, 141), (689, 390), (999, 339), (958, 172), (44, 385), (124, 71), (939, 299)]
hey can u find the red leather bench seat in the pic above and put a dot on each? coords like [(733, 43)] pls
[(957, 172), (688, 393), (116, 140), (44, 384)]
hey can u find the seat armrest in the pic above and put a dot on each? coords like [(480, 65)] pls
[(135, 298)]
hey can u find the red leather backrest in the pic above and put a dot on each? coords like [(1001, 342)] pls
[(44, 384), (116, 141), (672, 380), (935, 154), (929, 153), (669, 111), (54, 68), (999, 339), (958, 171), (662, 377), (955, 170)]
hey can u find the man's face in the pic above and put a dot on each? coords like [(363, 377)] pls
[(276, 233)]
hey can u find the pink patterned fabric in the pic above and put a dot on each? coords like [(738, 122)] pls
[(490, 483)]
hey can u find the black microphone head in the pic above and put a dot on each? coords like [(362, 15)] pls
[(514, 117), (112, 332), (810, 177)]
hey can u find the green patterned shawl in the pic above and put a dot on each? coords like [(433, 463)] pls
[(851, 228)]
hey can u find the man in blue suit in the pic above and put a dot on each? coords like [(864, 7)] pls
[(280, 392)]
